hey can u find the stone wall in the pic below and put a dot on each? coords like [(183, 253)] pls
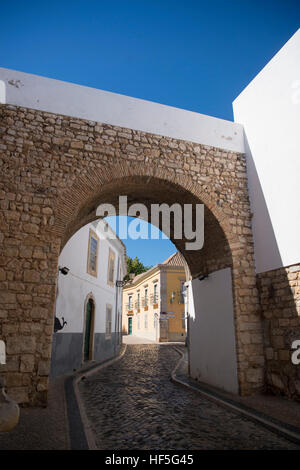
[(55, 171), (280, 302)]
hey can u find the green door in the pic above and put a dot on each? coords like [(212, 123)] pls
[(88, 327), (130, 325)]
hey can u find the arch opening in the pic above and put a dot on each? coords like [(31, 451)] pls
[(214, 257)]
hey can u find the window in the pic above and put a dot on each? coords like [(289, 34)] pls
[(138, 300), (130, 302), (111, 268), (181, 293), (139, 322), (155, 296), (92, 254), (108, 321), (146, 320), (146, 297)]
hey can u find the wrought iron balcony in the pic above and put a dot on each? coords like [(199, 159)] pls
[(177, 297), (154, 299)]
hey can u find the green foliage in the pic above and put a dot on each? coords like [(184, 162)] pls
[(134, 265)]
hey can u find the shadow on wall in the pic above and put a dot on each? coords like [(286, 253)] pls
[(279, 292), (267, 255)]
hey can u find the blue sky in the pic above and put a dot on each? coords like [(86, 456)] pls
[(149, 251), (196, 55)]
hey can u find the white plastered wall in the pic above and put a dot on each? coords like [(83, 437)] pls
[(74, 288), (269, 110), (33, 91), (212, 352)]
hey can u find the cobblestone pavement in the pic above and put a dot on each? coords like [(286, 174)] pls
[(132, 404)]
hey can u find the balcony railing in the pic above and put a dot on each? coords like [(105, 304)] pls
[(145, 301), (177, 297), (129, 306), (137, 304), (154, 299)]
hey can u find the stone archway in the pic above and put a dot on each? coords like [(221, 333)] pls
[(57, 171)]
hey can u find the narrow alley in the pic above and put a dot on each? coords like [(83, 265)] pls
[(132, 404)]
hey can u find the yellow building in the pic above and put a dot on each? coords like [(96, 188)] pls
[(153, 302)]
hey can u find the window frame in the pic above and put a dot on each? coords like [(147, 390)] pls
[(91, 271), (111, 259)]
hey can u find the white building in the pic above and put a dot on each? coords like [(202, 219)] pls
[(88, 299), (269, 110)]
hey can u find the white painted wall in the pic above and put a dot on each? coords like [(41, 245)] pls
[(74, 288), (32, 91), (269, 110), (211, 328)]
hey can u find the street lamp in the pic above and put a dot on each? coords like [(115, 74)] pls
[(122, 283), (202, 277)]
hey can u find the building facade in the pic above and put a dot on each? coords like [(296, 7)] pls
[(88, 303), (154, 303)]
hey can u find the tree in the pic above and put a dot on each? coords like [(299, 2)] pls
[(134, 265)]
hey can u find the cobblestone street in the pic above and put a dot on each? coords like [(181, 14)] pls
[(132, 404)]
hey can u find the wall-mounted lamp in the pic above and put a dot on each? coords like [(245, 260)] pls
[(122, 283), (59, 325), (64, 270), (202, 277), (173, 294)]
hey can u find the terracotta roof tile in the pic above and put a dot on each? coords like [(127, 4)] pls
[(174, 260)]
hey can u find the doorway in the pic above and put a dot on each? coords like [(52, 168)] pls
[(130, 325), (89, 331)]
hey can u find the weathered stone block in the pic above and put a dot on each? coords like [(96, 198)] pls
[(7, 297), (43, 368), (21, 344), (42, 385), (27, 363), (255, 375), (31, 276)]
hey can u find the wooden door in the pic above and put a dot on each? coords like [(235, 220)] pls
[(130, 325), (88, 330), (164, 329)]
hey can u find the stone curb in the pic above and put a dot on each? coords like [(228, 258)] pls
[(287, 431), (81, 435)]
